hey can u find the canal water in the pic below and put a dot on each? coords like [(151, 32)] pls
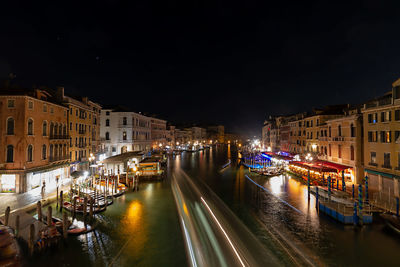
[(142, 228)]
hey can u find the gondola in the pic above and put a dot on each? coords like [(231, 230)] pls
[(79, 208), (392, 221)]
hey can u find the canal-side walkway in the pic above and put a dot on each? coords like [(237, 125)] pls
[(27, 199)]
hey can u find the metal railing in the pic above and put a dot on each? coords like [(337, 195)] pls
[(59, 136)]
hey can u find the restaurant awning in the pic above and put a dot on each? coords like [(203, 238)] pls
[(313, 166), (336, 166)]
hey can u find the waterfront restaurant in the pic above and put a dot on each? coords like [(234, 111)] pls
[(320, 170)]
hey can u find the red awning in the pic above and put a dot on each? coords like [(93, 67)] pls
[(336, 166), (313, 166)]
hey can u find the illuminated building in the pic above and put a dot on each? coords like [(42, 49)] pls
[(34, 140)]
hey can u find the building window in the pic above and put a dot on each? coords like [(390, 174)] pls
[(44, 152), (340, 130), (373, 157), (51, 110), (386, 136), (44, 130), (325, 151), (397, 137), (351, 152), (330, 131), (124, 120), (352, 130), (398, 160), (107, 136), (10, 153), (11, 103), (70, 111), (386, 160), (30, 153), (397, 115), (44, 108), (30, 127), (330, 150), (107, 122), (124, 136), (339, 151), (30, 104), (385, 116), (10, 126), (114, 149), (107, 113)]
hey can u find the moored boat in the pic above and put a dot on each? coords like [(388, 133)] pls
[(392, 221)]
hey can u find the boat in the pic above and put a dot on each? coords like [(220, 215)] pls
[(10, 253), (74, 228), (392, 221), (79, 208)]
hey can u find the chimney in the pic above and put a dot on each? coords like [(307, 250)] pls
[(85, 100), (60, 93)]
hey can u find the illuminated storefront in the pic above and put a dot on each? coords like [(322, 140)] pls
[(7, 183), (51, 178)]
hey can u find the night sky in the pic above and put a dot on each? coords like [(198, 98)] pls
[(228, 62)]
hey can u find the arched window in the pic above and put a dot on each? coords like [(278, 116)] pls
[(352, 130), (55, 129), (330, 131), (64, 130), (340, 130), (107, 136), (30, 127), (51, 152), (351, 152), (60, 151), (51, 129), (44, 128), (326, 151), (10, 153), (44, 152), (60, 129), (30, 153), (55, 151), (124, 136), (10, 126), (107, 122)]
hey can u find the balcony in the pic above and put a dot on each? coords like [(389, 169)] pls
[(58, 136), (58, 158), (386, 166), (82, 132), (338, 139), (373, 164)]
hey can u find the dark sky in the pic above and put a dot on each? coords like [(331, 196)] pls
[(230, 62)]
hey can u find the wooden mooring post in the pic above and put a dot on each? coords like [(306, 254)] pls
[(17, 226), (74, 208), (65, 225), (84, 207), (7, 216), (39, 211), (31, 244), (49, 216), (61, 200), (91, 209)]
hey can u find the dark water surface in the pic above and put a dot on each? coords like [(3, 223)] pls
[(142, 228)]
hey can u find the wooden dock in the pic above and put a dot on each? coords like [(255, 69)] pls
[(25, 221)]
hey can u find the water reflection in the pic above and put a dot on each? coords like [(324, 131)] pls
[(134, 229)]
